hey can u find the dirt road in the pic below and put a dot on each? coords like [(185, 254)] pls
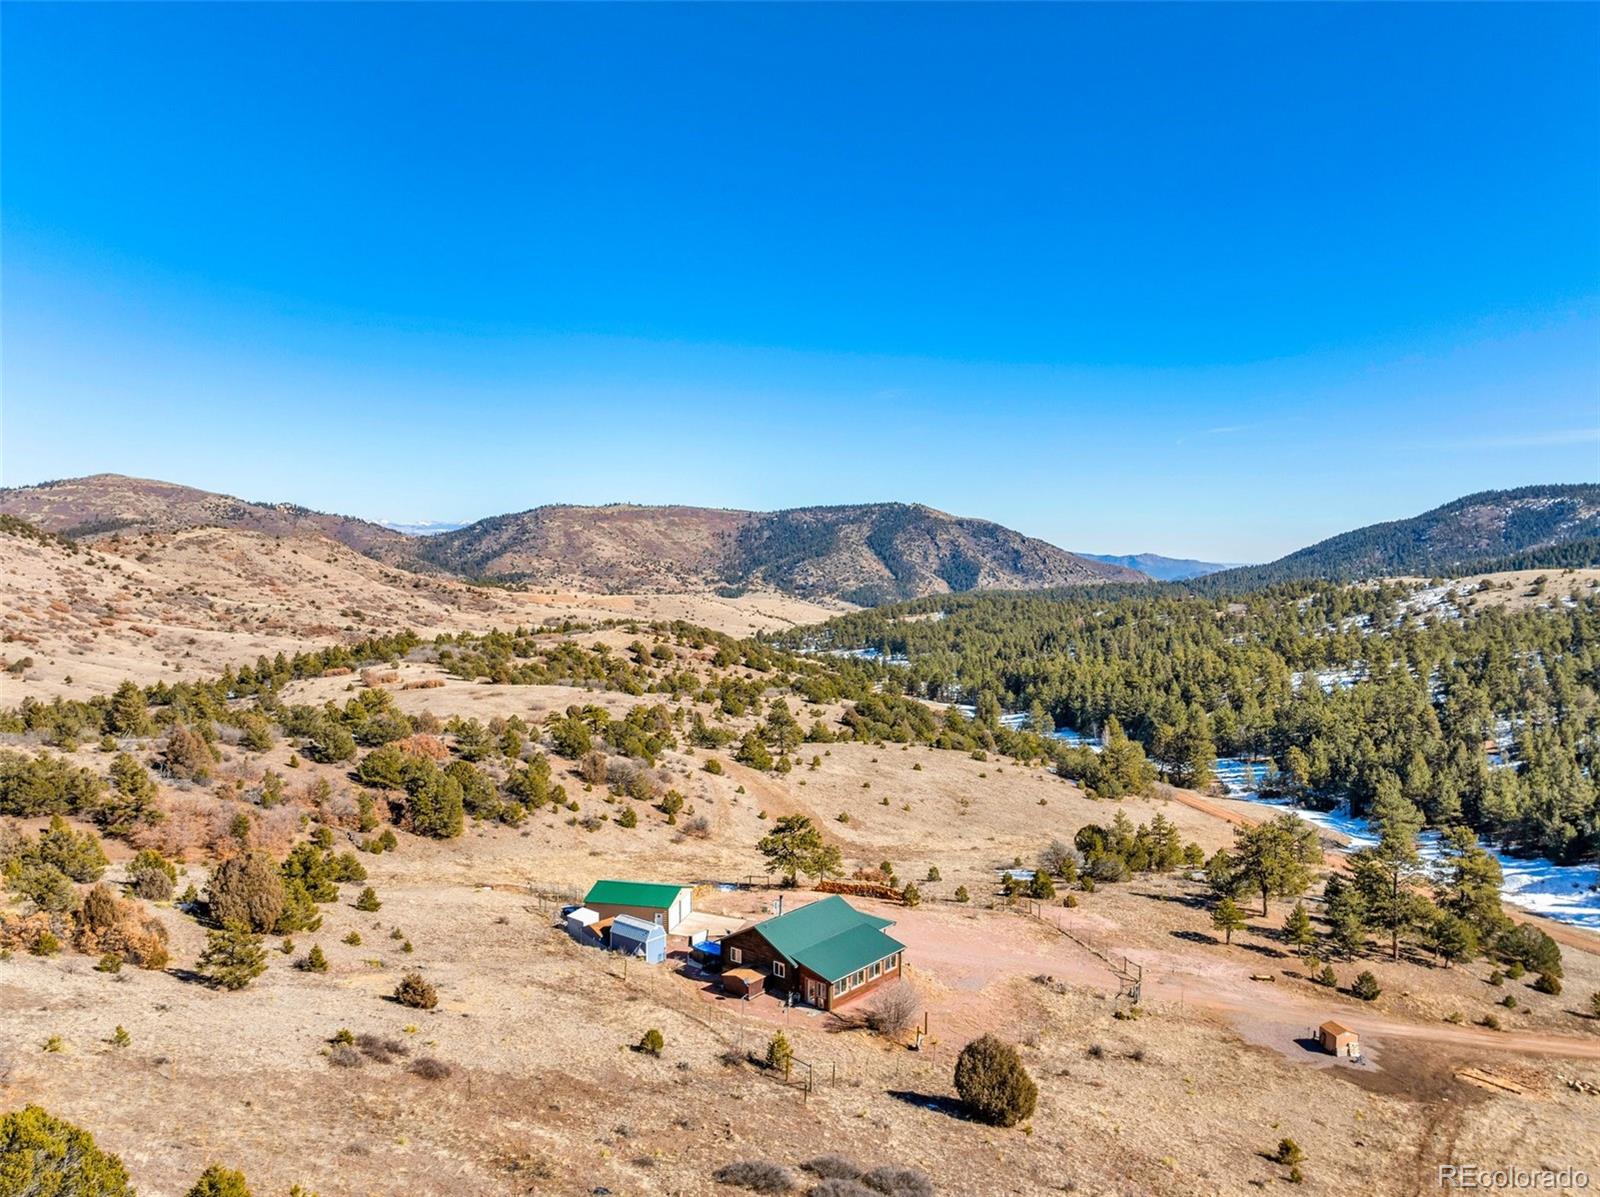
[(972, 957)]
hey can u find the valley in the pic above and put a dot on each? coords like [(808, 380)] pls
[(581, 747)]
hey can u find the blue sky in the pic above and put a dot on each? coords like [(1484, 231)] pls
[(1204, 280)]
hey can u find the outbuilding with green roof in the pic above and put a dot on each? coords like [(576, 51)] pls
[(825, 953), (663, 904)]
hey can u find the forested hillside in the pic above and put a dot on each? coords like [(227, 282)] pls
[(1530, 527), (863, 553), (1476, 713)]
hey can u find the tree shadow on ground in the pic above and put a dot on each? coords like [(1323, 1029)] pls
[(1194, 937), (938, 1103), (1192, 901)]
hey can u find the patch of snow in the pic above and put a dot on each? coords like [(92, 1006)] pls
[(1562, 893)]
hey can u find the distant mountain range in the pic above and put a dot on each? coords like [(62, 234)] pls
[(1531, 527), (1162, 569), (421, 527), (867, 553)]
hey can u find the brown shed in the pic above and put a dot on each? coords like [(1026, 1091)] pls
[(1338, 1039), (743, 982)]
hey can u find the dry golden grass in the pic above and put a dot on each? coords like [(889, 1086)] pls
[(544, 1093)]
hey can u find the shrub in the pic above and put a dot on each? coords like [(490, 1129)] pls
[(247, 890), (911, 896), (1497, 977), (1327, 977), (233, 957), (78, 855), (353, 939), (415, 991), (368, 901), (1490, 1022), (1509, 1001), (430, 1068), (898, 1182), (217, 1181), (993, 1083), (961, 894), (383, 1049), (187, 754), (627, 817), (1366, 987), (652, 1043), (45, 945), (892, 1013), (759, 1176), (344, 1056), (1548, 983), (1288, 1152), (40, 1154), (99, 912), (1526, 948), (780, 1054), (314, 961), (109, 963), (152, 877), (120, 1037), (832, 1167), (840, 1187)]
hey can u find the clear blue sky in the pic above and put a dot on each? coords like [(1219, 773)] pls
[(1204, 280)]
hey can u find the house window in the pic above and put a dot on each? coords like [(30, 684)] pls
[(778, 969), (735, 956)]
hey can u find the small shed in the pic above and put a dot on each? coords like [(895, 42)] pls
[(1338, 1039), (743, 982), (581, 925), (635, 937)]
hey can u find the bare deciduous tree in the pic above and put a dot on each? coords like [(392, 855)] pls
[(892, 1013)]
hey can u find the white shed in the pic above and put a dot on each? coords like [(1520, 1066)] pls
[(581, 925)]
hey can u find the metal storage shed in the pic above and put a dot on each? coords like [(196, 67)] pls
[(667, 905), (581, 926), (636, 937)]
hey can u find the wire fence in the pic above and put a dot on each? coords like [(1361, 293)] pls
[(1129, 973)]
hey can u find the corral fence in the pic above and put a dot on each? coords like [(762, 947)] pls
[(1129, 973)]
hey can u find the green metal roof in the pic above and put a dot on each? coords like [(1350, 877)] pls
[(831, 938), (634, 893)]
